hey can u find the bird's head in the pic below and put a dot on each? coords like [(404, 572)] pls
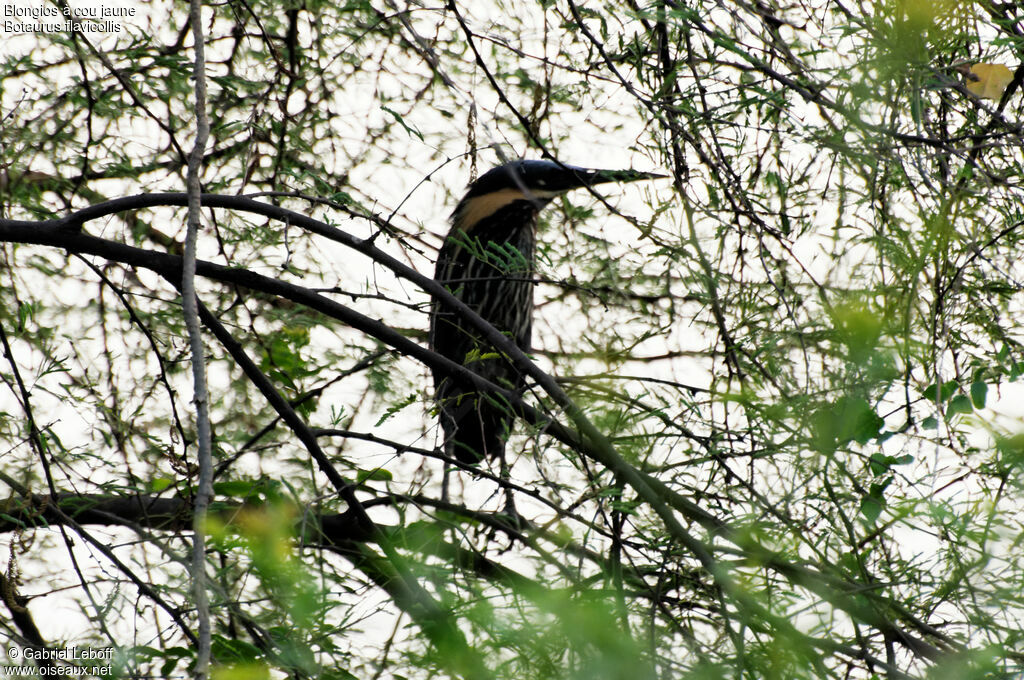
[(536, 182)]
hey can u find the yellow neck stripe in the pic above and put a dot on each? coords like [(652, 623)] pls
[(480, 207)]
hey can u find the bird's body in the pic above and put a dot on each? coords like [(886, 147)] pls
[(487, 262)]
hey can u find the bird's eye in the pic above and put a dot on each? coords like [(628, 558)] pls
[(542, 182)]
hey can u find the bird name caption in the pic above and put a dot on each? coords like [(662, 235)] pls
[(82, 661), (26, 17)]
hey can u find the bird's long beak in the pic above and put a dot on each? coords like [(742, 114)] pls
[(624, 175), (586, 177)]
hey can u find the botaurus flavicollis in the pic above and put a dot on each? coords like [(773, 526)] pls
[(487, 262)]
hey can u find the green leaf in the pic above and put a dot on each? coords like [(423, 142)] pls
[(375, 475), (226, 650), (395, 408), (401, 121), (336, 674), (848, 419), (959, 404), (979, 391), (13, 520), (1011, 453), (244, 671), (236, 489), (943, 392), (873, 503), (879, 463), (857, 327), (159, 484)]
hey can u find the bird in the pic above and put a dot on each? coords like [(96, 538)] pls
[(487, 262)]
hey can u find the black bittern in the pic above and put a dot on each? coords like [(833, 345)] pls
[(487, 263)]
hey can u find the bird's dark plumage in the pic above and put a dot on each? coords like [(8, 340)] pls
[(487, 262)]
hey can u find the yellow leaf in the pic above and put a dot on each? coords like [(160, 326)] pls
[(988, 81)]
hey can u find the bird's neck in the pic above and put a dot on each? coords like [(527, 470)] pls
[(473, 210)]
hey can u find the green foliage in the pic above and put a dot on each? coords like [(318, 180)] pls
[(264, 533), (799, 353), (846, 420), (244, 671)]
